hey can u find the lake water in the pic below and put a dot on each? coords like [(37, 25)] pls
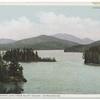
[(67, 75)]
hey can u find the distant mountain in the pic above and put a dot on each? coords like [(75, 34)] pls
[(6, 41), (41, 42), (87, 41), (45, 42), (69, 37), (81, 48)]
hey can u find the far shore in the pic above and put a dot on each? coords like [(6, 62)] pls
[(92, 64)]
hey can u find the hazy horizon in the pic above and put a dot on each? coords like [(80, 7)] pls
[(46, 35), (19, 21)]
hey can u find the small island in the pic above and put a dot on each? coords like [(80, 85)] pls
[(92, 56), (25, 55)]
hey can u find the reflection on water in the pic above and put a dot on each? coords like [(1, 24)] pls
[(13, 88)]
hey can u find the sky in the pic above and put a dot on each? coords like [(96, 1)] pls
[(25, 21)]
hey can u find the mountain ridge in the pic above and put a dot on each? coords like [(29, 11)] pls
[(81, 48), (6, 41), (44, 42), (65, 36)]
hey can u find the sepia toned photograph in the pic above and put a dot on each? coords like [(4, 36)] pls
[(50, 49)]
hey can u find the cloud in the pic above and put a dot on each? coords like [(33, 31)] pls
[(81, 27), (50, 23), (16, 28)]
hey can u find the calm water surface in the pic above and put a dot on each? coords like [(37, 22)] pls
[(67, 75)]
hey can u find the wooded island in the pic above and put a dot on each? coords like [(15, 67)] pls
[(11, 70), (25, 55)]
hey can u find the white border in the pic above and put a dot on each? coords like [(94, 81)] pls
[(50, 96), (50, 2)]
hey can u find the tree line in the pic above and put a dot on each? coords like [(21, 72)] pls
[(11, 72), (92, 55), (25, 55)]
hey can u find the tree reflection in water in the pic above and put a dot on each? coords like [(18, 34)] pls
[(11, 88)]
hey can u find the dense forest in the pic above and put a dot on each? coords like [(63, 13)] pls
[(10, 69), (25, 55), (92, 55), (11, 72)]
